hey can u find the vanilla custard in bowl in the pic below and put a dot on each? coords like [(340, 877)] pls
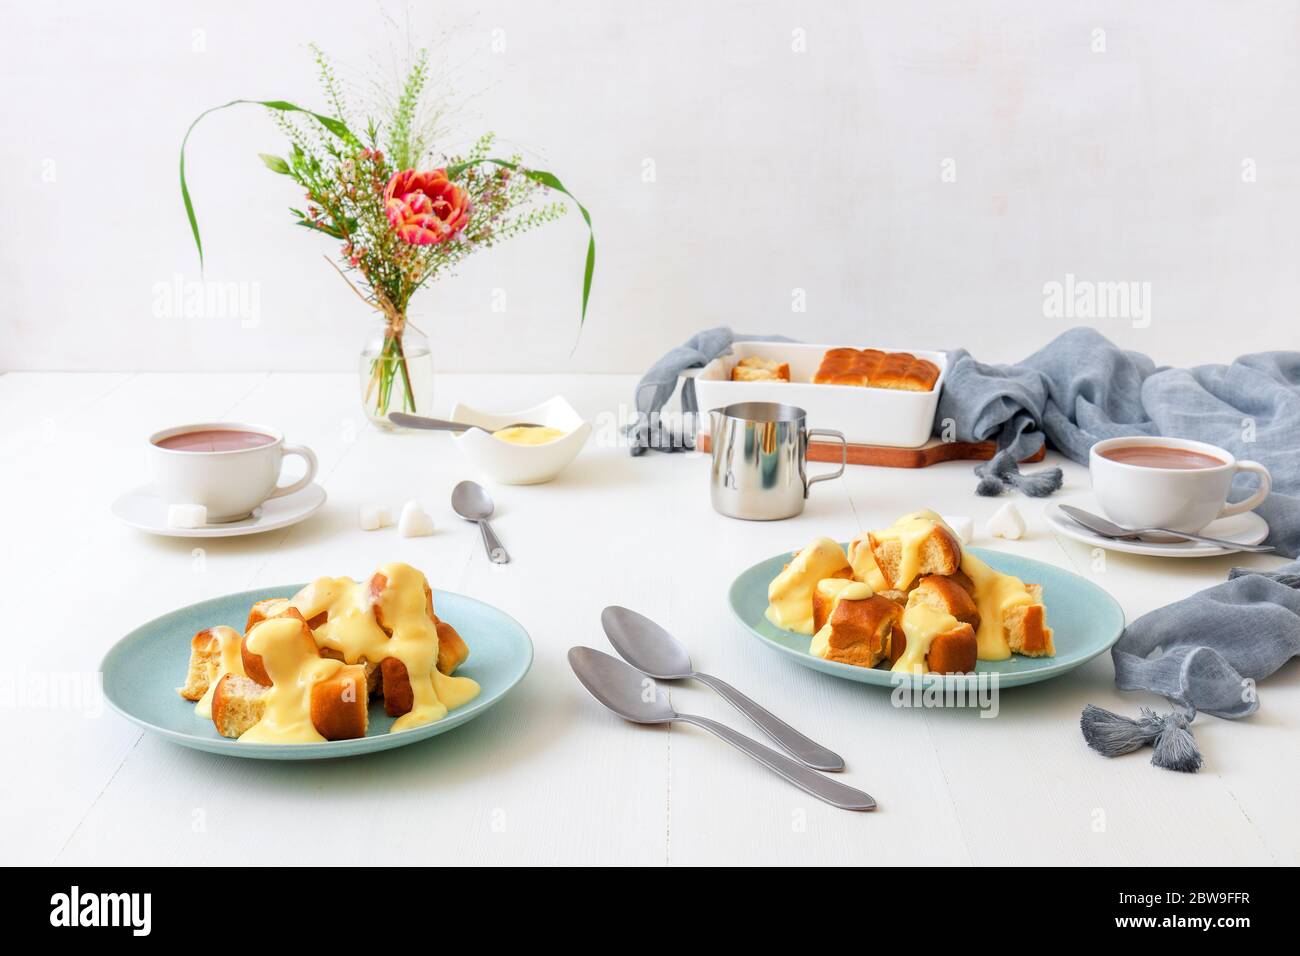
[(528, 434)]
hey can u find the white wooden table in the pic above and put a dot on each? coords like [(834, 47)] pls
[(548, 776)]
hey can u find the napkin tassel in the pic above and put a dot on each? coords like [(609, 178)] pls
[(1289, 578), (1170, 735), (1002, 471)]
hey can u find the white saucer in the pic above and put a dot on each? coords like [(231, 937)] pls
[(1244, 529), (143, 509)]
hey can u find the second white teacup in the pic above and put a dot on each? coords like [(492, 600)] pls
[(228, 467), (1174, 483)]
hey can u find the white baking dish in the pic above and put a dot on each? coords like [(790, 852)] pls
[(866, 416)]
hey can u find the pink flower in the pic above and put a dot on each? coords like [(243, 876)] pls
[(425, 208)]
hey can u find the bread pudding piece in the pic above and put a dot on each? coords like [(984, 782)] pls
[(1026, 624), (206, 648), (952, 616), (238, 703), (872, 368), (255, 669), (914, 545), (339, 706), (755, 369), (947, 594), (931, 639), (858, 628)]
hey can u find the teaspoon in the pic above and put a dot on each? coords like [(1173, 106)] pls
[(471, 501)]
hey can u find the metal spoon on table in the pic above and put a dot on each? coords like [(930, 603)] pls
[(622, 688), (471, 501), (441, 425), (652, 650), (1108, 529)]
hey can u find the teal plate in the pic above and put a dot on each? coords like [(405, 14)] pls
[(143, 670), (1085, 621)]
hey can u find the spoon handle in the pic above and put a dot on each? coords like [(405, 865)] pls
[(496, 552), (803, 749), (428, 424), (1218, 542), (810, 781)]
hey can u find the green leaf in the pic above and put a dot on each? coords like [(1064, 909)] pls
[(550, 181), (275, 164), (333, 125), (319, 227)]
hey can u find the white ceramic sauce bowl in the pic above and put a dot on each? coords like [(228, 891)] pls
[(512, 464)]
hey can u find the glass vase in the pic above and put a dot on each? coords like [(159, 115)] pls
[(396, 374)]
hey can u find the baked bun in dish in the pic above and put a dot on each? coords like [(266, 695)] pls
[(755, 369), (872, 368)]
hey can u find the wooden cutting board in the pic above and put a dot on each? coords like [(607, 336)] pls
[(884, 457)]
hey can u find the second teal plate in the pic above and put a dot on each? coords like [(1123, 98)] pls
[(1085, 621)]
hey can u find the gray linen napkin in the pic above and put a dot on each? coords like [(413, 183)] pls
[(1081, 388), (660, 381), (1203, 653)]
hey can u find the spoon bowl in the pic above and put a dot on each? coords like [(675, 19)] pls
[(645, 645), (620, 687), (471, 501)]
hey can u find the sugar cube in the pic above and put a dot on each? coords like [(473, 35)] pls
[(415, 521), (187, 516)]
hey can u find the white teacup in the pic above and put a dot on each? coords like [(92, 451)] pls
[(1182, 497), (228, 467)]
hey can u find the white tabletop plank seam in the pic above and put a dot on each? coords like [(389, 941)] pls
[(1247, 817), (947, 786), (668, 797), (72, 833)]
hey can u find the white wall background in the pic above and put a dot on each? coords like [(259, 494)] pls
[(776, 169)]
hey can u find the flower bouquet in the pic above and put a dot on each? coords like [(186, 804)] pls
[(400, 219)]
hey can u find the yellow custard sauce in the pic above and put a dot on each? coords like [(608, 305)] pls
[(790, 593), (338, 637), (293, 672), (528, 435), (231, 662), (353, 630), (995, 594), (921, 624)]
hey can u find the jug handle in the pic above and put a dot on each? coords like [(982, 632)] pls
[(844, 456)]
